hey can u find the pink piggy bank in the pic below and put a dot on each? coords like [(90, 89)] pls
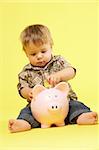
[(50, 106)]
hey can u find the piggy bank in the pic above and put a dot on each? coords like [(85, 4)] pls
[(50, 106)]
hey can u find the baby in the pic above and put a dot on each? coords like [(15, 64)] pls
[(44, 66)]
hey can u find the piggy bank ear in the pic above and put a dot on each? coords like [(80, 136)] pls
[(62, 86), (37, 89)]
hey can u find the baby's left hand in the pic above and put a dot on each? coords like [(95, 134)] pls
[(53, 79)]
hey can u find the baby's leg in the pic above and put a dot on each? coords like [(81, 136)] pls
[(18, 125), (25, 121), (87, 118), (81, 114)]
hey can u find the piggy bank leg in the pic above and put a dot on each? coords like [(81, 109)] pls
[(60, 124), (45, 125)]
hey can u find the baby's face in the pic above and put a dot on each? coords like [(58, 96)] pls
[(39, 55)]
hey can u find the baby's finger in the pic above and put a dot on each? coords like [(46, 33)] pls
[(47, 78)]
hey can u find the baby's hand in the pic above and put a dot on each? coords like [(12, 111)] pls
[(27, 93), (53, 79), (30, 94)]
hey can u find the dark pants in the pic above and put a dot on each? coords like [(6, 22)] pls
[(76, 108)]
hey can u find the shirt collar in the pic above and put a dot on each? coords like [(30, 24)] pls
[(30, 66)]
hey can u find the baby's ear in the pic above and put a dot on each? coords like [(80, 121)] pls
[(63, 86), (37, 89)]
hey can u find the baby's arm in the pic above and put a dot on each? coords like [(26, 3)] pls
[(60, 71), (27, 93), (23, 86), (63, 75)]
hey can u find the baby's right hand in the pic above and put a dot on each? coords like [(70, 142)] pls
[(27, 93), (30, 95)]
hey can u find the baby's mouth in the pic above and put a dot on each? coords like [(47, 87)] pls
[(41, 62)]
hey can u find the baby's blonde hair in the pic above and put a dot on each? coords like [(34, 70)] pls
[(38, 34)]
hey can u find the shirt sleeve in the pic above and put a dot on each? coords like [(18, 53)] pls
[(23, 82), (64, 63)]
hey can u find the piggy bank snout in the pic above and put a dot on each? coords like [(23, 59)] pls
[(54, 107)]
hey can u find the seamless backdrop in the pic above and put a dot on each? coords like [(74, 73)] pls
[(74, 27), (74, 30)]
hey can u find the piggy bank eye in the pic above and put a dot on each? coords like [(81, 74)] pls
[(56, 96), (49, 96)]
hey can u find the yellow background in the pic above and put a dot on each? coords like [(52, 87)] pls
[(74, 28)]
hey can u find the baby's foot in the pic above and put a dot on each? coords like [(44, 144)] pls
[(18, 125), (87, 118)]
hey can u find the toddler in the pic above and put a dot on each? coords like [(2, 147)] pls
[(44, 66)]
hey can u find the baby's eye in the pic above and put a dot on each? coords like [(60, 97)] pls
[(44, 51), (33, 54)]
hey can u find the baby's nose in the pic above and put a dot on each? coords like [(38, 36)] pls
[(39, 56)]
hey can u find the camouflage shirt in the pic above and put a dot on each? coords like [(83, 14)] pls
[(31, 75)]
